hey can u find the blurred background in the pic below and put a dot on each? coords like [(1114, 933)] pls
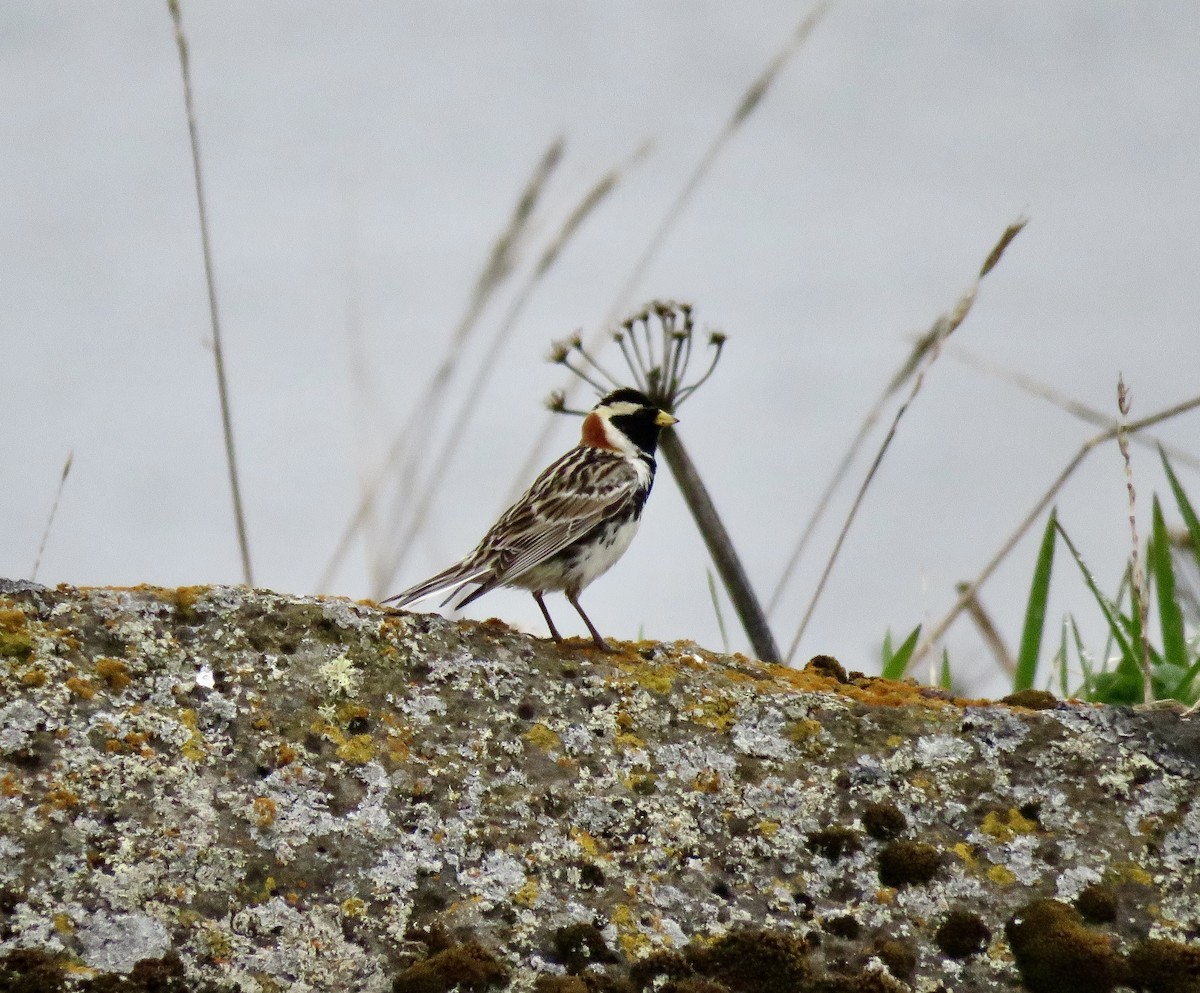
[(361, 162)]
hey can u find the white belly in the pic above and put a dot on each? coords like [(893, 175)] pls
[(573, 569)]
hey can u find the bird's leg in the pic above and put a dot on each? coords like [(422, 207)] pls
[(537, 595), (603, 645)]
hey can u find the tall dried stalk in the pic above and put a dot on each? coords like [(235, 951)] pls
[(1138, 585), (921, 361), (62, 482), (210, 280), (501, 262), (1051, 394), (750, 100)]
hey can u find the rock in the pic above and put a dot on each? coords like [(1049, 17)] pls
[(240, 790)]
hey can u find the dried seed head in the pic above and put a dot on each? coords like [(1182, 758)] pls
[(656, 345), (559, 350)]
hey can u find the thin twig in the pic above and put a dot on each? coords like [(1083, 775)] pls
[(62, 482), (210, 279), (942, 328), (1138, 586), (971, 589), (846, 525)]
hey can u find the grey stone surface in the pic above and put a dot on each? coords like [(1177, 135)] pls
[(314, 794)]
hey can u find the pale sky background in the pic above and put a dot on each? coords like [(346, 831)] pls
[(360, 160)]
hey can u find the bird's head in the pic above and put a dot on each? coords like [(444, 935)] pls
[(625, 421)]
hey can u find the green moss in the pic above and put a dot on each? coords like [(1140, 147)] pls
[(907, 863), (694, 984), (1161, 966), (1031, 700), (578, 946), (659, 965), (754, 961), (469, 968), (27, 970), (844, 926), (559, 984), (1056, 953), (962, 934), (1098, 903), (898, 956), (164, 975), (884, 820), (834, 842), (827, 665)]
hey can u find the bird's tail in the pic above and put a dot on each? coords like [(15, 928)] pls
[(459, 575)]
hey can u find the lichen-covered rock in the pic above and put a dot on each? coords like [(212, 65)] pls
[(224, 789)]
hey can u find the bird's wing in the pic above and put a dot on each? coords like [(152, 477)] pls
[(582, 489)]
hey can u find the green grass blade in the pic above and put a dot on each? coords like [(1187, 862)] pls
[(1088, 688), (945, 675), (1064, 690), (716, 602), (1186, 690), (1185, 507), (1107, 607), (1035, 610), (1174, 643), (895, 666)]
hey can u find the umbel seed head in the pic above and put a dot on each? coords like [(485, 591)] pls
[(656, 345)]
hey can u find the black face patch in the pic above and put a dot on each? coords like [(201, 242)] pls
[(641, 427)]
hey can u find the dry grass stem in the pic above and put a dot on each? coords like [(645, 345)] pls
[(921, 361), (908, 368), (210, 279), (62, 482), (1139, 587), (1075, 408), (989, 633), (501, 262), (410, 517), (970, 590), (746, 106)]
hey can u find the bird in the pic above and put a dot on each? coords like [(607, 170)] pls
[(575, 520)]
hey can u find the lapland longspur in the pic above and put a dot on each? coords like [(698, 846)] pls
[(574, 522)]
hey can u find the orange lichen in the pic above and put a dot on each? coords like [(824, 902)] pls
[(114, 672), (265, 811), (84, 688)]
